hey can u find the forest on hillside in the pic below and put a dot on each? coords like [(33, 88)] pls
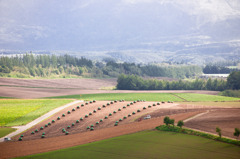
[(52, 66)]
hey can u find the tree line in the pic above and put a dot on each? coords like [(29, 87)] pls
[(183, 71), (29, 65), (134, 82), (214, 69), (44, 65)]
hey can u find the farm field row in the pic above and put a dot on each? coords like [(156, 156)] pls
[(19, 111), (84, 117), (148, 144), (80, 83), (176, 97), (39, 145)]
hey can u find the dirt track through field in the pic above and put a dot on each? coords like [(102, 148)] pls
[(21, 129), (14, 149), (225, 118)]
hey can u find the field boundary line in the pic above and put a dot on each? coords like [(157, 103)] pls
[(210, 133), (179, 97), (198, 115), (20, 129)]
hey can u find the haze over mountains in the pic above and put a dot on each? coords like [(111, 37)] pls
[(128, 30)]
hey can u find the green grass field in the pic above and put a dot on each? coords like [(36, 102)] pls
[(5, 131), (176, 97), (125, 96), (148, 144), (204, 97), (20, 111)]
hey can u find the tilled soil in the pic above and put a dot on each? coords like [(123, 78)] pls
[(29, 93), (55, 129), (82, 83), (38, 88), (227, 119), (22, 148)]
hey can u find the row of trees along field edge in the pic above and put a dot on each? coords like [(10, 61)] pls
[(134, 82)]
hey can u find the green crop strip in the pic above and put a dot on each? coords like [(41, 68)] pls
[(176, 97), (148, 144), (20, 111)]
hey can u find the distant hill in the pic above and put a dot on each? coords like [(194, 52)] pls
[(138, 31)]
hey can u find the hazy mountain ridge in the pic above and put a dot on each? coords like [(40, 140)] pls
[(156, 30)]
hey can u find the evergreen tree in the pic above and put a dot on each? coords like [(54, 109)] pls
[(233, 80)]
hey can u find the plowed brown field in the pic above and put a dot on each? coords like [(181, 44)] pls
[(55, 139), (55, 129), (82, 83), (79, 134), (38, 88), (227, 119)]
